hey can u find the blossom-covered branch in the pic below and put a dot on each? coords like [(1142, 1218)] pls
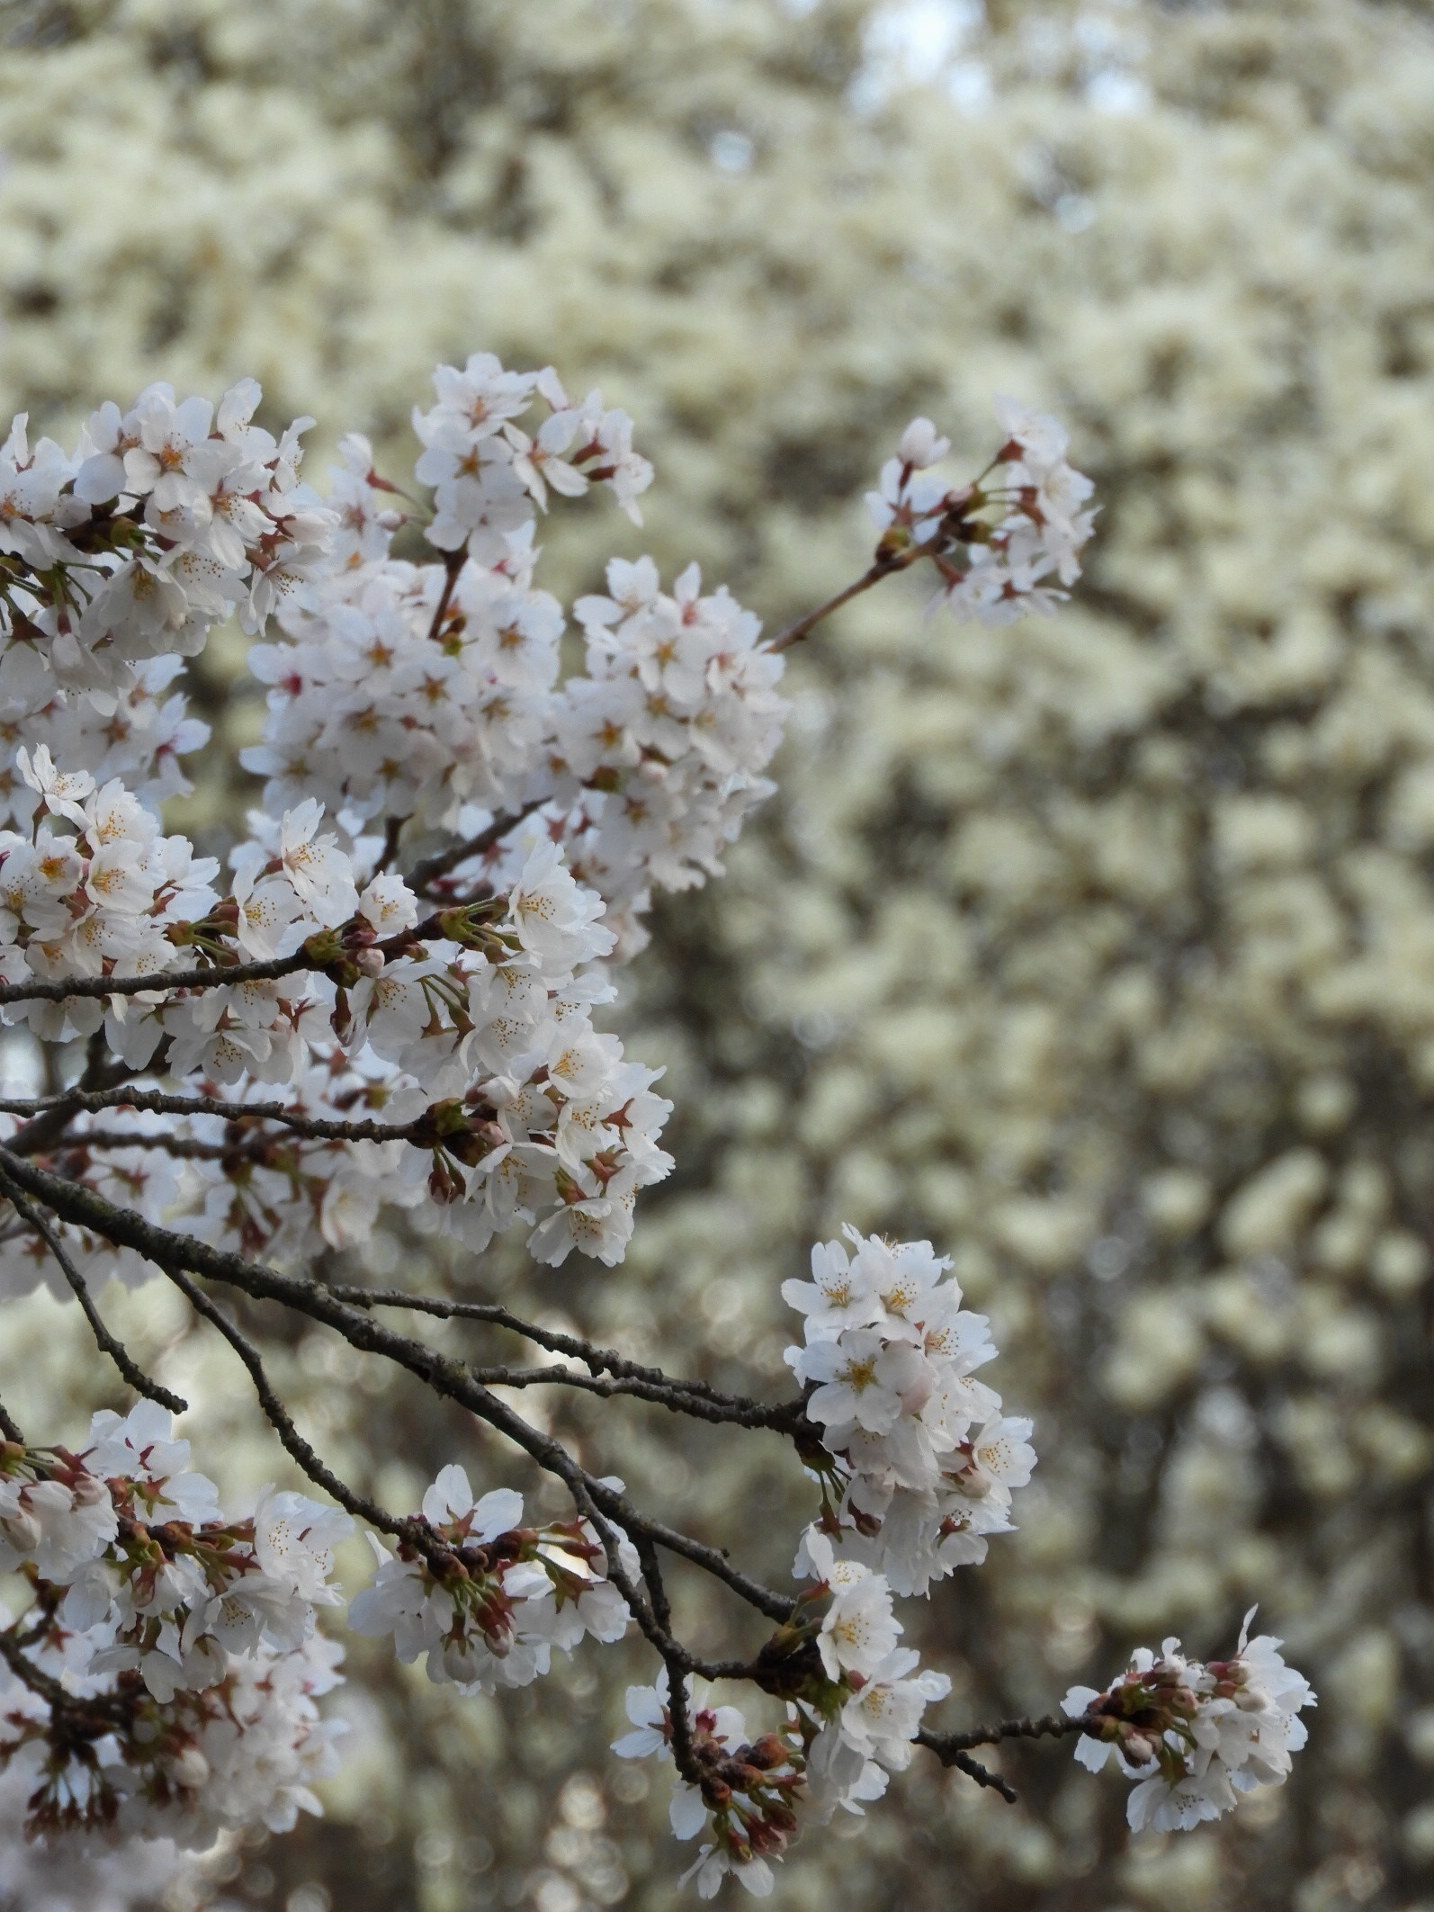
[(278, 1060)]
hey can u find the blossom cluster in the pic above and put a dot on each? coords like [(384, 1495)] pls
[(405, 693), (97, 898), (172, 1648), (454, 845), (163, 519), (1194, 1735), (920, 1462), (994, 541), (490, 1600), (487, 472)]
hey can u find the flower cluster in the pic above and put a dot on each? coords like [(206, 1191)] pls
[(477, 1045), (993, 541), (165, 518), (488, 1600), (661, 746), (456, 841), (406, 693), (97, 898), (487, 473), (1194, 1735), (178, 1643), (919, 1462), (435, 699)]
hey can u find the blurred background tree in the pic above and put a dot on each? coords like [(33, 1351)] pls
[(1101, 951)]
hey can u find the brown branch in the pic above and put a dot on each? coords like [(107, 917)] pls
[(211, 976), (1049, 1725), (453, 563), (9, 1426), (683, 1755), (48, 1124), (983, 1776), (108, 1343), (25, 1670), (182, 1146), (951, 1748)]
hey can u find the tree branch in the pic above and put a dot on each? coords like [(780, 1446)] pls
[(951, 1748), (882, 566), (211, 976), (1049, 1725)]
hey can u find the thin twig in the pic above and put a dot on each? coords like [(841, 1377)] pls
[(453, 563), (672, 1395), (1049, 1725), (184, 1147), (951, 1748), (101, 1071), (9, 1426), (414, 1532), (882, 566), (392, 831), (108, 1343), (983, 1776)]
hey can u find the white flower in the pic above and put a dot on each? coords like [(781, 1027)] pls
[(713, 1864), (294, 1539), (322, 875), (647, 1710), (921, 445)]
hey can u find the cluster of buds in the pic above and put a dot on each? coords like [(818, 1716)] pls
[(1193, 1734), (742, 1792)]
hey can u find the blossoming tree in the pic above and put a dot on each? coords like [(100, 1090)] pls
[(393, 1003)]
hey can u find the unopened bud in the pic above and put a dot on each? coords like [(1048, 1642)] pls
[(22, 1530)]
